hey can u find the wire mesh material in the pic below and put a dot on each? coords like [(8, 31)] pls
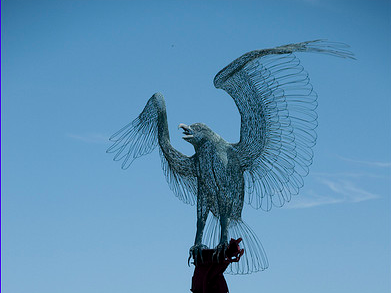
[(277, 104)]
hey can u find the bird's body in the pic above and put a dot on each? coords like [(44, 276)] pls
[(278, 120), (220, 185), (221, 180)]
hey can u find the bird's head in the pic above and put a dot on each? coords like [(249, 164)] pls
[(197, 133)]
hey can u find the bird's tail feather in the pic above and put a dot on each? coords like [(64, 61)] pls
[(254, 258)]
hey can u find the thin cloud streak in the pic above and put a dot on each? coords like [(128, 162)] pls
[(312, 199), (367, 163), (338, 191), (342, 187), (348, 190), (348, 175)]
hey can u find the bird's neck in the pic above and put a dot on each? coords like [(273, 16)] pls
[(210, 147)]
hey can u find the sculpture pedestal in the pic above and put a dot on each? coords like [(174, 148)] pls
[(208, 273)]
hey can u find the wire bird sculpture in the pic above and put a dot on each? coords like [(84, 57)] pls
[(277, 106)]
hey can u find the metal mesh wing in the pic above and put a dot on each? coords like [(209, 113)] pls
[(277, 106), (142, 135)]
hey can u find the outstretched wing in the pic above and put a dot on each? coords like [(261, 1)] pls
[(278, 119), (142, 135)]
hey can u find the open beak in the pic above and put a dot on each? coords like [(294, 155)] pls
[(186, 131)]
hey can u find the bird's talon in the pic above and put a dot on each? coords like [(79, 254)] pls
[(196, 251), (221, 248)]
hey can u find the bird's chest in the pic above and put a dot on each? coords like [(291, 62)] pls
[(214, 166)]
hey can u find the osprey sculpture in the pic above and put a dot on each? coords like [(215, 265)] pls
[(277, 106)]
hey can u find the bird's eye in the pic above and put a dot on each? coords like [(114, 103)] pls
[(196, 128)]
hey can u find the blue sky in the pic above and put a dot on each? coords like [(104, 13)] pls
[(74, 72)]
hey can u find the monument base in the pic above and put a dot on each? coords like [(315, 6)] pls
[(209, 268)]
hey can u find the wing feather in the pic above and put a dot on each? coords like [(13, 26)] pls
[(277, 106), (143, 135), (137, 138)]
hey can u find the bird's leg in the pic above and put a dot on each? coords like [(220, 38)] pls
[(224, 222), (200, 230), (224, 230), (196, 249)]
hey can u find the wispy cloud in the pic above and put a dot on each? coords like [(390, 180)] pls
[(348, 190), (311, 199), (344, 187), (333, 191), (367, 163), (89, 138), (351, 175)]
